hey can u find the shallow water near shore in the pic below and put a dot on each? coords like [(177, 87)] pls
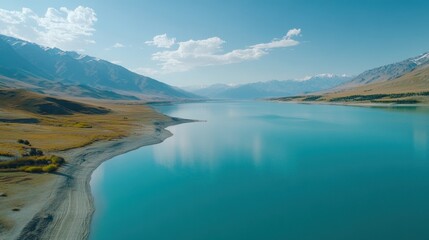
[(266, 170)]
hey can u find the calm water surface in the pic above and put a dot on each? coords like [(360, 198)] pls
[(261, 170)]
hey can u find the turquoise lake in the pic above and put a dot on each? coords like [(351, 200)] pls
[(274, 171)]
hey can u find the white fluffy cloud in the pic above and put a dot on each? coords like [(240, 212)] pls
[(162, 41), (56, 28), (196, 53), (286, 41), (118, 45)]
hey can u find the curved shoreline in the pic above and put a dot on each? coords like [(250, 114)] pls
[(68, 211)]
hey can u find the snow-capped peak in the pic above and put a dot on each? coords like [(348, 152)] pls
[(21, 43), (45, 48), (322, 75), (421, 59), (325, 75), (81, 56)]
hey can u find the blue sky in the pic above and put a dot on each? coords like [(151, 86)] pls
[(204, 42)]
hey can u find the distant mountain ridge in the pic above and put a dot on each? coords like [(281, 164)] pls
[(274, 88), (390, 71), (405, 82), (42, 67)]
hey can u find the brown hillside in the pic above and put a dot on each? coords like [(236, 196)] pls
[(413, 82), (20, 99), (68, 124)]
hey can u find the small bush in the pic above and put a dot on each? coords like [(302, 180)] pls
[(82, 125), (6, 154), (25, 142), (33, 169), (22, 169), (35, 152), (50, 168), (33, 164), (57, 160)]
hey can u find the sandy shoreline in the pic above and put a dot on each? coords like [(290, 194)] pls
[(68, 209)]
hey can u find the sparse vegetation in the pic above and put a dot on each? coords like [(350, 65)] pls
[(20, 120), (25, 142), (82, 125), (358, 98), (312, 98), (291, 98), (32, 152), (50, 168), (57, 160), (6, 154), (397, 98), (398, 101), (33, 169), (386, 98), (33, 164)]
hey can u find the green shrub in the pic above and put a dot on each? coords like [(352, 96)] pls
[(82, 125), (35, 152), (34, 164), (22, 169), (25, 142), (57, 160), (34, 169), (6, 154), (50, 168)]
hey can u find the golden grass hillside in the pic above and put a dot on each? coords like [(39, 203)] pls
[(83, 124), (20, 99)]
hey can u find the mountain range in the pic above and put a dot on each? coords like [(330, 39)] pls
[(274, 88), (389, 72), (51, 70), (402, 82)]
